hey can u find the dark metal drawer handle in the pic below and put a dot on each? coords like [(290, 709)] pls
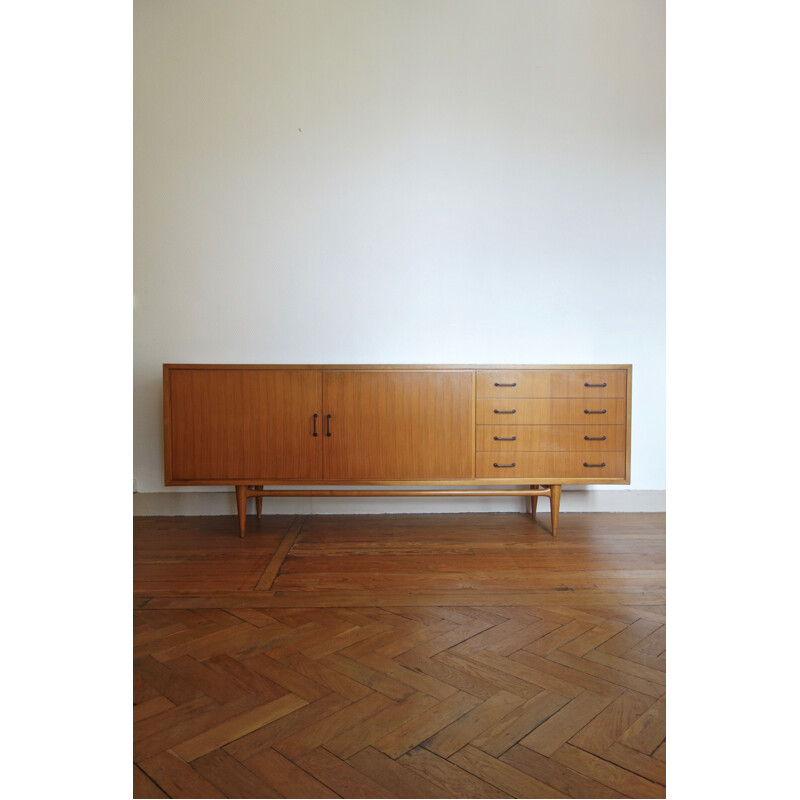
[(505, 384), (586, 411), (329, 426), (505, 438), (513, 411), (600, 385), (594, 465), (315, 424), (595, 438), (504, 465)]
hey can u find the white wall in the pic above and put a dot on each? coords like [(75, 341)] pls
[(345, 181)]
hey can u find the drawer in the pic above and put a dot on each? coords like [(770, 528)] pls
[(552, 383), (513, 411), (548, 467), (575, 438)]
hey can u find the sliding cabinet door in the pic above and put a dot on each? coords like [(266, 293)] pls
[(398, 425)]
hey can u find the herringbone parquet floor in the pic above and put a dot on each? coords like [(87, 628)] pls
[(469, 689)]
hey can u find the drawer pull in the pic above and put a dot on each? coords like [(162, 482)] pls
[(507, 465), (586, 411), (595, 438), (505, 438), (329, 426), (513, 411), (505, 384), (599, 385), (315, 424), (594, 465)]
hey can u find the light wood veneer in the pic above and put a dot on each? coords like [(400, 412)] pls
[(261, 426)]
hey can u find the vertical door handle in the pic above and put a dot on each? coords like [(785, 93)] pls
[(315, 424), (329, 425)]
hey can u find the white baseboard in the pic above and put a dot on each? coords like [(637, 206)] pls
[(573, 499)]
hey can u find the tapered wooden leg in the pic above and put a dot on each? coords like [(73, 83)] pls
[(241, 507), (258, 502), (534, 501), (555, 503)]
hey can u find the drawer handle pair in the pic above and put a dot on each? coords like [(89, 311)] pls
[(504, 465), (595, 438), (586, 411), (513, 411), (594, 465), (505, 384), (598, 385), (505, 438)]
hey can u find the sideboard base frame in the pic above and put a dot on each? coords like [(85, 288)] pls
[(553, 492)]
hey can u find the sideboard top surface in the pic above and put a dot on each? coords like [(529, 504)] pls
[(492, 367)]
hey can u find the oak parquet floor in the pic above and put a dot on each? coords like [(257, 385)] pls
[(399, 656)]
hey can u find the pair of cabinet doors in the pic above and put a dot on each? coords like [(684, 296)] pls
[(234, 425)]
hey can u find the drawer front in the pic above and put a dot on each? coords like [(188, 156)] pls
[(513, 411), (547, 466), (552, 383), (574, 438)]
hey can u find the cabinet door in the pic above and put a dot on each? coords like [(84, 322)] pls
[(398, 425), (243, 425)]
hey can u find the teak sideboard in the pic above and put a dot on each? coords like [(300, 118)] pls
[(478, 427)]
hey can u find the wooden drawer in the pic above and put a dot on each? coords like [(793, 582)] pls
[(514, 438), (513, 411), (552, 383), (548, 467)]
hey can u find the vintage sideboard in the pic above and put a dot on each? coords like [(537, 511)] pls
[(474, 429)]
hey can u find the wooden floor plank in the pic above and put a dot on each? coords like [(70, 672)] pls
[(609, 774), (394, 776), (333, 679), (265, 737), (278, 557), (231, 777), (329, 728), (291, 680), (612, 722), (339, 776), (453, 779), (565, 723), (559, 678), (502, 775), (461, 732), (380, 725), (621, 678), (565, 780), (236, 727), (424, 725), (449, 674), (151, 707), (647, 732), (632, 760), (177, 778), (193, 721), (287, 777), (520, 722), (144, 787)]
